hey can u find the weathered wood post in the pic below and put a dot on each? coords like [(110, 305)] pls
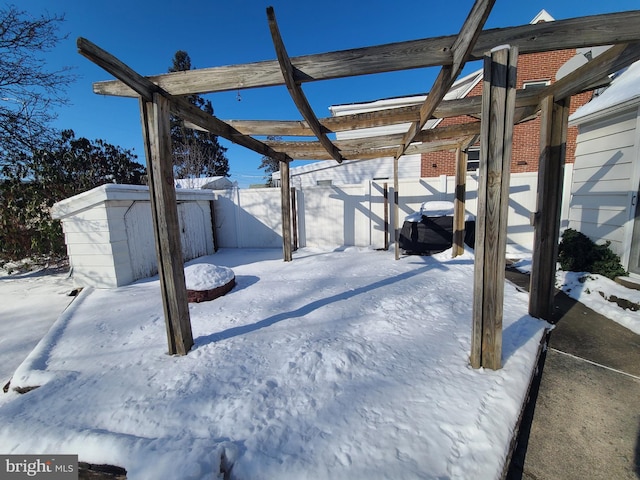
[(396, 209), (214, 230), (294, 218), (496, 135), (285, 204), (164, 210), (386, 215), (553, 139), (459, 202)]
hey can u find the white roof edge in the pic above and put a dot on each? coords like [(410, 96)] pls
[(605, 112), (543, 16), (381, 104), (201, 182), (476, 73), (623, 93), (114, 191)]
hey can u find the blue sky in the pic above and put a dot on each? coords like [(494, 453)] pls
[(145, 34)]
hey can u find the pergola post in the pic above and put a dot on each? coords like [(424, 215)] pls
[(498, 107), (553, 138), (385, 195), (459, 202), (164, 211), (396, 209), (294, 219), (285, 204)]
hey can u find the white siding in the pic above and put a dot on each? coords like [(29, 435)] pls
[(225, 213), (195, 229), (603, 179)]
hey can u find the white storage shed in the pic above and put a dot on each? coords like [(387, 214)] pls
[(109, 232)]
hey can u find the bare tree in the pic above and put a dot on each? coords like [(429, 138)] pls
[(29, 91)]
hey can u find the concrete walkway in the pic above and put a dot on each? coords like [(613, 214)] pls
[(585, 423)]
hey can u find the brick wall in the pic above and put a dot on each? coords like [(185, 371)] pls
[(526, 136)]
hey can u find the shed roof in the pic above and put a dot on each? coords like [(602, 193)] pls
[(211, 183), (111, 191)]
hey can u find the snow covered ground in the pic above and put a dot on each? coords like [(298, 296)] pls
[(598, 293), (29, 304), (340, 364)]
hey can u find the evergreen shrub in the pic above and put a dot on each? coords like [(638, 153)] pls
[(578, 253)]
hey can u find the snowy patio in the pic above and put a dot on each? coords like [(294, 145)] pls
[(341, 364)]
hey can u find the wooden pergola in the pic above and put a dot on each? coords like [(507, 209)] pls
[(498, 109)]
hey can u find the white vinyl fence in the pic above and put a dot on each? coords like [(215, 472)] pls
[(109, 233), (354, 214)]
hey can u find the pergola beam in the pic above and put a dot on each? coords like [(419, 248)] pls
[(285, 207), (380, 141), (368, 148), (542, 37), (296, 92), (461, 48), (313, 151), (590, 74), (376, 118), (181, 107), (459, 202)]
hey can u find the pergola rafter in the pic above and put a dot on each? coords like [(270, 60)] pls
[(293, 85), (461, 50), (162, 93)]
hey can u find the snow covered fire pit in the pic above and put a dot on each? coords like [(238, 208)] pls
[(207, 282)]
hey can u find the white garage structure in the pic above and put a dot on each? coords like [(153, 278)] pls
[(606, 175)]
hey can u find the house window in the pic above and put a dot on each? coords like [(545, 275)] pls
[(535, 84), (324, 183), (473, 159)]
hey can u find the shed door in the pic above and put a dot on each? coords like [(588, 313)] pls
[(193, 236), (141, 240)]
